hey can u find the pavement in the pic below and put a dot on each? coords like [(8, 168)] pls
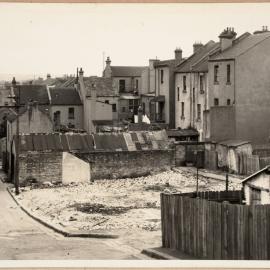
[(23, 238)]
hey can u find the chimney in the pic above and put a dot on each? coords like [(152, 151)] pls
[(226, 38), (264, 29), (197, 46), (140, 114), (48, 76), (81, 72), (178, 54), (108, 61), (107, 73), (13, 82)]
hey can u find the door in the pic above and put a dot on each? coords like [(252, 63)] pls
[(255, 196)]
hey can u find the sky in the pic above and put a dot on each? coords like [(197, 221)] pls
[(37, 39)]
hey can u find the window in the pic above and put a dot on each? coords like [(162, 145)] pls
[(216, 74), (228, 73), (178, 94), (123, 109), (137, 84), (133, 105), (216, 101), (184, 83), (70, 113), (182, 110), (122, 86), (107, 101), (228, 102), (114, 107), (201, 83), (199, 111), (161, 76)]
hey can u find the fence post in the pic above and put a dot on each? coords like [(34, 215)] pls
[(227, 181)]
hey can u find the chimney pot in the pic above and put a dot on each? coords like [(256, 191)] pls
[(13, 81), (81, 72)]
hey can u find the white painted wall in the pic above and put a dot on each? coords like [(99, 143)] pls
[(74, 169), (261, 181)]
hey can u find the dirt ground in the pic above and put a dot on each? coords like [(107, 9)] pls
[(127, 207)]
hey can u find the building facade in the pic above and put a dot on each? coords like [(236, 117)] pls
[(191, 88), (239, 85)]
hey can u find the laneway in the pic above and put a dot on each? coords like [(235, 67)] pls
[(23, 238)]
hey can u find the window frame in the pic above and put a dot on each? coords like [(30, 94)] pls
[(216, 71), (71, 113)]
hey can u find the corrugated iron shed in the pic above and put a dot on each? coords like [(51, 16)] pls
[(84, 143)]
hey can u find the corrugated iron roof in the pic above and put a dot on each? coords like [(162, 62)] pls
[(182, 132), (85, 143)]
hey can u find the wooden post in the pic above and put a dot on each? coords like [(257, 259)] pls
[(227, 182), (17, 144)]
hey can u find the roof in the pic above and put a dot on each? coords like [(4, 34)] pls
[(240, 47), (233, 143), (266, 169), (87, 143), (160, 98), (103, 86), (64, 96), (129, 96), (32, 92), (170, 62), (182, 132), (127, 71), (200, 56), (13, 115), (102, 122)]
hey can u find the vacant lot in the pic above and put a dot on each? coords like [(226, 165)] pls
[(127, 207)]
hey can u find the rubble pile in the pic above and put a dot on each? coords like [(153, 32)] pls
[(130, 203)]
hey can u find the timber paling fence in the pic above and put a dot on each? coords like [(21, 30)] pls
[(215, 230)]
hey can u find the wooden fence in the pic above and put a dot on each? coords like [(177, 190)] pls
[(214, 230)]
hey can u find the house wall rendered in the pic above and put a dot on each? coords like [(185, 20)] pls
[(261, 181), (74, 169), (252, 94), (64, 119), (164, 89)]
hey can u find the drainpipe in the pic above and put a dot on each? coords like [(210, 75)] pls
[(190, 90)]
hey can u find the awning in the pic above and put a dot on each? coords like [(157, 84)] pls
[(158, 99)]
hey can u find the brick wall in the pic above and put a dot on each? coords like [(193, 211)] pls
[(43, 166), (128, 164)]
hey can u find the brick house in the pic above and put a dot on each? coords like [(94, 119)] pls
[(239, 85)]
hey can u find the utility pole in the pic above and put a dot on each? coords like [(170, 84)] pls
[(17, 164), (17, 140)]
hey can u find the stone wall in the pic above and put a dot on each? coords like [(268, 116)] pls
[(111, 165), (42, 166)]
